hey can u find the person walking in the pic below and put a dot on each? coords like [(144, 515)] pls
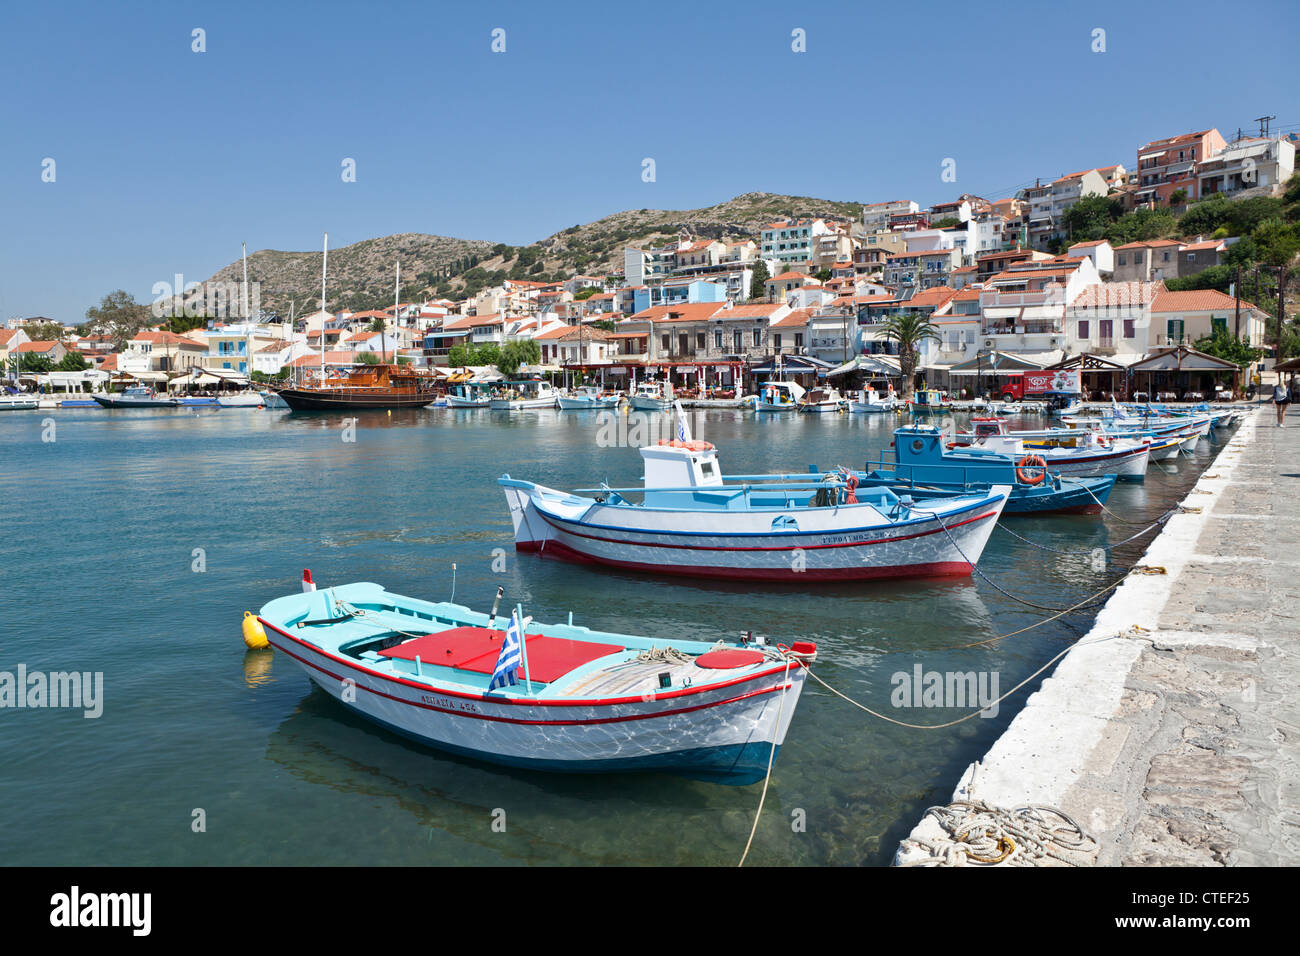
[(1281, 399)]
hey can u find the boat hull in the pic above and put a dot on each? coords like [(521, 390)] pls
[(830, 544), (724, 733), (110, 402), (644, 404), (305, 400)]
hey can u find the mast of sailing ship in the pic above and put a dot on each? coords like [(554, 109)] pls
[(248, 335), (324, 261)]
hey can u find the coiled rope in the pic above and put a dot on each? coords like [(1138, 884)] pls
[(979, 834)]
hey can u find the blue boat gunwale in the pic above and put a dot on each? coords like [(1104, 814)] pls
[(567, 631), (984, 501)]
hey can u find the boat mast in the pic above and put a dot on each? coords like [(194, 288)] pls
[(248, 335), (324, 261), (397, 294)]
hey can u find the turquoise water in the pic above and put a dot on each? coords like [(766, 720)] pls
[(100, 573)]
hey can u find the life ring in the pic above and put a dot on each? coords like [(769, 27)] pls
[(1034, 477), (694, 445), (851, 484)]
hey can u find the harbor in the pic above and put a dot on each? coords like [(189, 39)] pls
[(1166, 732), (202, 511)]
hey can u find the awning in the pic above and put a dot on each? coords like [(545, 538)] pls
[(885, 365), (995, 363)]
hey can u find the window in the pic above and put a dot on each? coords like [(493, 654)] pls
[(1174, 329), (1218, 324), (798, 340), (1123, 260), (776, 341), (1166, 259), (717, 339), (666, 340), (1130, 330), (758, 337), (699, 341), (1083, 329), (737, 341)]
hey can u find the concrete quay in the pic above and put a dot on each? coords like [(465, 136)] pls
[(1171, 731)]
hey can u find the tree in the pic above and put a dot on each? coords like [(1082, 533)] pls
[(72, 362), (45, 331), (515, 354), (910, 330), (758, 286), (822, 275), (1089, 218), (1223, 344), (368, 358), (117, 315)]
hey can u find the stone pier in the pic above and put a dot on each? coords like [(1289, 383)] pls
[(1171, 731)]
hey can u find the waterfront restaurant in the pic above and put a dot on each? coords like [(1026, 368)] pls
[(1183, 374)]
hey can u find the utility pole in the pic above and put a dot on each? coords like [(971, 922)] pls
[(1263, 122), (1236, 292)]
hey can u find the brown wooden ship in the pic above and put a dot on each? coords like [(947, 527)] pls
[(342, 388)]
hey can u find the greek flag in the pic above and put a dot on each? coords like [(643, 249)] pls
[(511, 657), (683, 430)]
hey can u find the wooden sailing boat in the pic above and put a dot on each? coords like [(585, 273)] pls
[(357, 385)]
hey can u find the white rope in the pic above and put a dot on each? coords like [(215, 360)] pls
[(785, 677), (979, 834)]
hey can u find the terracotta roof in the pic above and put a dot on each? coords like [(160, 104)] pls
[(37, 347), (1196, 300), (937, 297), (1207, 244), (686, 312), (167, 338), (759, 310), (1108, 294), (789, 277), (796, 319), (471, 321), (7, 334), (1085, 245)]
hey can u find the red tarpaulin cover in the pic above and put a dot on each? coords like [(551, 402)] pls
[(476, 649)]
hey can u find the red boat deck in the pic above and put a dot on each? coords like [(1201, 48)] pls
[(476, 649)]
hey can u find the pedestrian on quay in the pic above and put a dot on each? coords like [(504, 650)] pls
[(1281, 399)]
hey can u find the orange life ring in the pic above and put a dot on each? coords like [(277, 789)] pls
[(694, 445), (1031, 461)]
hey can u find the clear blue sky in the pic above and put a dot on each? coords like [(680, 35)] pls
[(167, 159)]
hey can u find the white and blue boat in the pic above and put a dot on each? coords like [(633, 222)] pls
[(586, 398), (691, 519), (569, 698), (922, 467), (779, 397), (469, 395)]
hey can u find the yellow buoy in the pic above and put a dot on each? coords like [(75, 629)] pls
[(254, 633)]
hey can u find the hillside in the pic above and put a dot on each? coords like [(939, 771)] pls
[(361, 275)]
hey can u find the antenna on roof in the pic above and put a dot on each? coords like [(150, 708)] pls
[(1263, 122)]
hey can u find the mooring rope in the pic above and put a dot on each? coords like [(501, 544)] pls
[(991, 583), (1109, 547), (771, 757), (977, 833)]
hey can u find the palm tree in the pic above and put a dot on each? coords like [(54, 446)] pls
[(909, 330)]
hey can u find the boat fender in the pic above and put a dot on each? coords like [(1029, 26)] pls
[(1031, 469), (805, 652), (254, 633)]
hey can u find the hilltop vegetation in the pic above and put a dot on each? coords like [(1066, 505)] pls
[(361, 275)]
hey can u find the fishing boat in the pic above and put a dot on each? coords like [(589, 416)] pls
[(572, 700), (527, 393), (821, 400), (245, 399), (586, 398), (272, 400), (1075, 452), (929, 401), (137, 396), (871, 401), (695, 521), (721, 398), (651, 397), (469, 395), (779, 397), (922, 465)]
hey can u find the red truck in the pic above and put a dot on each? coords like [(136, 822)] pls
[(1021, 385)]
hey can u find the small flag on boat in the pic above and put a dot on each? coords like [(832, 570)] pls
[(683, 429), (511, 656)]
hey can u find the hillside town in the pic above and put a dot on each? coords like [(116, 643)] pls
[(1005, 283)]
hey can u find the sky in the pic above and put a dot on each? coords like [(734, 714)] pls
[(166, 159)]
